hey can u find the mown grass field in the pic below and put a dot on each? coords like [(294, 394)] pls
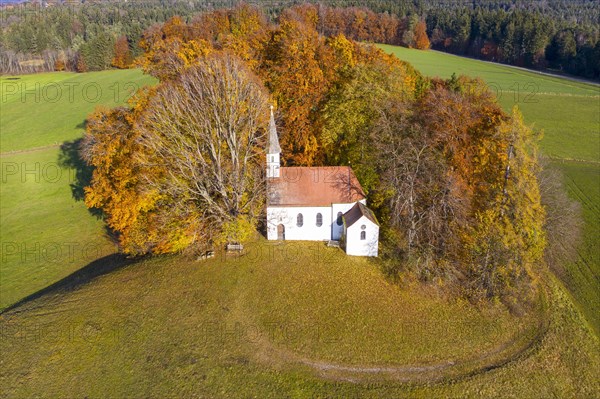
[(45, 233), (46, 109), (567, 111), (583, 183), (569, 114), (298, 320)]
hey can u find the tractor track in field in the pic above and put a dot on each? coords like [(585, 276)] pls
[(29, 150), (516, 68), (516, 349)]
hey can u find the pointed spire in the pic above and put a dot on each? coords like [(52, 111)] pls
[(274, 147)]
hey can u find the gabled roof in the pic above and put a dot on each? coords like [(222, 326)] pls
[(356, 212), (314, 186)]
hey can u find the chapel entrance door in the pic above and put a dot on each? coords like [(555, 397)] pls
[(281, 232)]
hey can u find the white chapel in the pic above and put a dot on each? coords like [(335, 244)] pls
[(317, 204)]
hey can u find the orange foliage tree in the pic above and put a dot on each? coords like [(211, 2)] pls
[(80, 65), (421, 38), (298, 70), (110, 146), (182, 166), (170, 49), (122, 58)]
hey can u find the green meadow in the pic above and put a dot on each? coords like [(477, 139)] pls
[(47, 109), (296, 320), (583, 183), (47, 232), (568, 112)]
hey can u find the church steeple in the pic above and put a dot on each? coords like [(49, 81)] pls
[(273, 139), (274, 149)]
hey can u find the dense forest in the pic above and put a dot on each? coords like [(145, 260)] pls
[(451, 177), (559, 35)]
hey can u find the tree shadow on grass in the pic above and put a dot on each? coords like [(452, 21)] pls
[(75, 280), (70, 157)]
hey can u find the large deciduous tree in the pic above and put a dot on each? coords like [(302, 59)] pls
[(184, 165), (421, 39), (297, 69), (206, 132), (122, 57), (459, 178), (352, 108)]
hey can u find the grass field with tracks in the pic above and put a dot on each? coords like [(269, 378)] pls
[(298, 320), (46, 232)]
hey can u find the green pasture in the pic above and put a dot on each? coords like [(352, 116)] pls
[(583, 183), (46, 234), (46, 231), (567, 111), (46, 109)]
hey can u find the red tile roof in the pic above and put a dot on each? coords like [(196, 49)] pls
[(314, 186)]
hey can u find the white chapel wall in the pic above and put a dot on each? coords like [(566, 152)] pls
[(368, 246), (309, 230)]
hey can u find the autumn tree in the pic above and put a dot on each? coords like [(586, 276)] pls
[(80, 64), (333, 22), (122, 57), (183, 166), (421, 39), (352, 108), (140, 217), (206, 129), (169, 49), (242, 30), (424, 201), (458, 196), (298, 70), (508, 238)]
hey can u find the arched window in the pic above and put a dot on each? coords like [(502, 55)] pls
[(319, 220), (339, 219), (363, 235), (299, 220)]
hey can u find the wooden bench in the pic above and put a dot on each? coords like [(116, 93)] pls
[(235, 247)]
